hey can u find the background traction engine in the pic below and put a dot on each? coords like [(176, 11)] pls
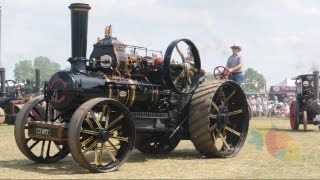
[(13, 96), (104, 106), (306, 109)]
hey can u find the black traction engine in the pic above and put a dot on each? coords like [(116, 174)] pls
[(121, 98), (306, 108)]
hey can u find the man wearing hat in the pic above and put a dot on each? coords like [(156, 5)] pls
[(235, 64)]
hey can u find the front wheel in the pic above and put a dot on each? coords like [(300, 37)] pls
[(37, 150), (101, 135)]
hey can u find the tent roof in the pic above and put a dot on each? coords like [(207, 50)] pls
[(286, 82)]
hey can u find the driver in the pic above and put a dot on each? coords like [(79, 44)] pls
[(235, 64)]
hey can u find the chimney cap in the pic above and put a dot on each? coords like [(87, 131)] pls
[(79, 7)]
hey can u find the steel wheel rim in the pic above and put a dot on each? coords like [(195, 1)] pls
[(50, 151), (106, 136), (228, 118)]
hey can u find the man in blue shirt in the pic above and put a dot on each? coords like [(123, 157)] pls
[(235, 64)]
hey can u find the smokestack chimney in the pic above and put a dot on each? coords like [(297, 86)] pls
[(79, 31), (37, 80), (2, 81), (316, 84)]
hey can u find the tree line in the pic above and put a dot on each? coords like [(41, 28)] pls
[(25, 69)]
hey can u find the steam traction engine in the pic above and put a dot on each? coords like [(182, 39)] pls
[(306, 109), (114, 101), (12, 97)]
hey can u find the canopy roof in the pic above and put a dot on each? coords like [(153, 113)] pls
[(286, 86), (286, 82)]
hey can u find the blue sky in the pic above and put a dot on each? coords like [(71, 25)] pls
[(279, 37)]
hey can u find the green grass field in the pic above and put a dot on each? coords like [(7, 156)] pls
[(272, 150)]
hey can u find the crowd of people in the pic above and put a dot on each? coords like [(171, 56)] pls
[(278, 106), (270, 107)]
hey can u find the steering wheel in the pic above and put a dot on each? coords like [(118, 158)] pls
[(182, 74), (15, 84), (222, 73), (13, 90)]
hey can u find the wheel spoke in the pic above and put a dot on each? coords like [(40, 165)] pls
[(235, 112), (48, 149), (33, 145), (213, 127), (180, 53), (189, 80), (215, 106), (110, 154), (213, 116), (223, 140), (232, 131), (85, 142), (115, 129), (115, 148), (42, 148), (89, 122), (95, 119), (229, 97), (57, 117), (107, 118), (125, 139), (91, 147), (100, 154), (96, 156), (179, 77), (89, 132), (103, 112), (116, 120)]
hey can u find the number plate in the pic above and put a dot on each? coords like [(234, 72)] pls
[(42, 131)]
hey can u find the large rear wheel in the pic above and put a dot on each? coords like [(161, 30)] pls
[(219, 119), (101, 135), (294, 115)]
